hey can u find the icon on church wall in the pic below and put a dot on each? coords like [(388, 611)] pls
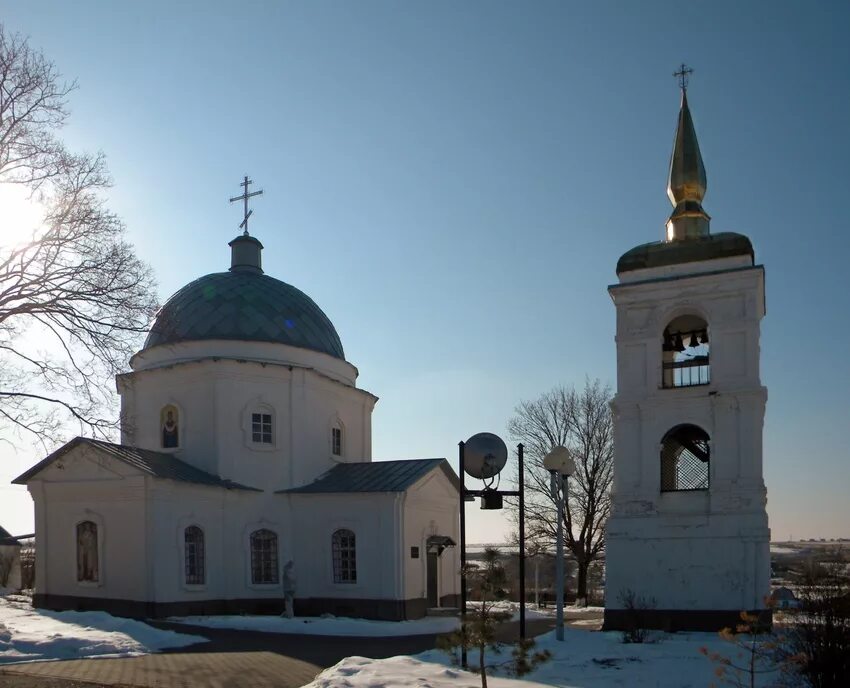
[(87, 565), (170, 421)]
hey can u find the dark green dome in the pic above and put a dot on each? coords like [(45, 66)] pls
[(248, 306)]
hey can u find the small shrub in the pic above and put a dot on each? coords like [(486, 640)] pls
[(636, 630)]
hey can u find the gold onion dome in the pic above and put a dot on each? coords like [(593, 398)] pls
[(686, 182)]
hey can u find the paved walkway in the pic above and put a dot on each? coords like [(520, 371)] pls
[(229, 659)]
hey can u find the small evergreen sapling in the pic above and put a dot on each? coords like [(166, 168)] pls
[(480, 625), (754, 655)]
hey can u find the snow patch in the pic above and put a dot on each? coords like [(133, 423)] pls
[(326, 625), (28, 634), (583, 660)]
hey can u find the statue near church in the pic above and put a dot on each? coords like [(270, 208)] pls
[(289, 589)]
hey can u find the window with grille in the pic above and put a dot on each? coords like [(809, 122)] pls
[(336, 441), (261, 428), (685, 459), (345, 557), (87, 552), (264, 567), (193, 554)]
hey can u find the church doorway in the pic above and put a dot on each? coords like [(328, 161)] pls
[(435, 546), (433, 567)]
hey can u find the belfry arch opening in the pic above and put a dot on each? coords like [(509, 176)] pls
[(685, 352), (685, 459)]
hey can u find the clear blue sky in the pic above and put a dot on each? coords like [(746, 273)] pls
[(453, 183)]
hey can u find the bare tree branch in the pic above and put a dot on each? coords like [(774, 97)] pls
[(75, 299), (580, 421)]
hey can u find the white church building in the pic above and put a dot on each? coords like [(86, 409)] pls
[(245, 445), (687, 542)]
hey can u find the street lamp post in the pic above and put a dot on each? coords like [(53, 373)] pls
[(561, 466)]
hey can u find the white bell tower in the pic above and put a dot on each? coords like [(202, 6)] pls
[(688, 537)]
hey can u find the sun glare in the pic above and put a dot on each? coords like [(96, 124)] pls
[(20, 216)]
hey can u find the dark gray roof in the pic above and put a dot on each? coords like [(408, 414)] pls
[(245, 306), (374, 476), (661, 253), (6, 537), (156, 464)]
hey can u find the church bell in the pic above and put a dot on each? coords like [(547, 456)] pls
[(491, 500)]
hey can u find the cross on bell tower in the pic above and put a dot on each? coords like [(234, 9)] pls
[(244, 197), (682, 75)]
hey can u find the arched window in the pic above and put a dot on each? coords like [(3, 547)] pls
[(684, 350), (344, 556), (169, 423), (685, 459), (336, 441), (87, 552), (193, 555), (264, 568)]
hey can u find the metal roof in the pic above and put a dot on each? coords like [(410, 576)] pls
[(248, 306), (6, 537), (709, 247), (153, 463), (374, 476)]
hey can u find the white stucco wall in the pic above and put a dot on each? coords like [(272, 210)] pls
[(702, 549), (227, 518), (375, 519), (215, 399), (431, 507), (86, 486), (141, 522)]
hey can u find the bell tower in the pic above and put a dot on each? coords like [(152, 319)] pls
[(688, 539)]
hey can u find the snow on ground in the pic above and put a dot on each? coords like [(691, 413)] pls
[(28, 634), (343, 626), (534, 612), (330, 625), (583, 660)]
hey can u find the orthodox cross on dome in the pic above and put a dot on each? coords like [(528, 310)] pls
[(244, 197), (682, 75)]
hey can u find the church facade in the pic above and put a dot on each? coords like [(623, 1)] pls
[(687, 543), (244, 472)]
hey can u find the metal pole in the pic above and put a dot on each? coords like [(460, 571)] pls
[(537, 579), (559, 570), (461, 446), (520, 448)]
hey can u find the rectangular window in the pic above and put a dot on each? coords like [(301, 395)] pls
[(337, 441), (261, 428), (414, 552), (344, 557), (193, 539)]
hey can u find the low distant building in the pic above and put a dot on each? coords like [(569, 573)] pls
[(784, 598), (10, 561)]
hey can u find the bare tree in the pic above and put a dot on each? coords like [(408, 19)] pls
[(7, 564), (74, 297), (580, 421)]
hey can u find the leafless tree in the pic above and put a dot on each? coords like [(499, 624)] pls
[(7, 563), (581, 421), (74, 298)]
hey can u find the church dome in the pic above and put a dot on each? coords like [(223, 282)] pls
[(244, 304)]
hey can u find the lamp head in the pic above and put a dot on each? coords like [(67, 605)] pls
[(560, 461)]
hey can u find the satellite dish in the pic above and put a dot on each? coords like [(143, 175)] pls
[(484, 455)]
